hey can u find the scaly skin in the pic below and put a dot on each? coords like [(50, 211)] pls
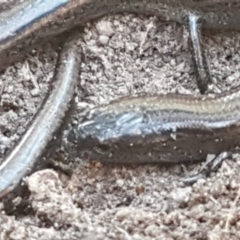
[(21, 30), (28, 24)]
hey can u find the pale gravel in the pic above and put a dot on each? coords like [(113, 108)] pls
[(123, 55)]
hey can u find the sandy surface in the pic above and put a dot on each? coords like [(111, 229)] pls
[(123, 55)]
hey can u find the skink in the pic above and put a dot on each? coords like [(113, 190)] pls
[(33, 21), (161, 128), (21, 159), (28, 24)]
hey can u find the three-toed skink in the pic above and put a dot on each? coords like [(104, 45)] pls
[(167, 123), (160, 128), (33, 21)]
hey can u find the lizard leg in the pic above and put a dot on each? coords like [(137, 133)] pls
[(199, 59)]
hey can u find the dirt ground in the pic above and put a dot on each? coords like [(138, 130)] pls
[(124, 54)]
